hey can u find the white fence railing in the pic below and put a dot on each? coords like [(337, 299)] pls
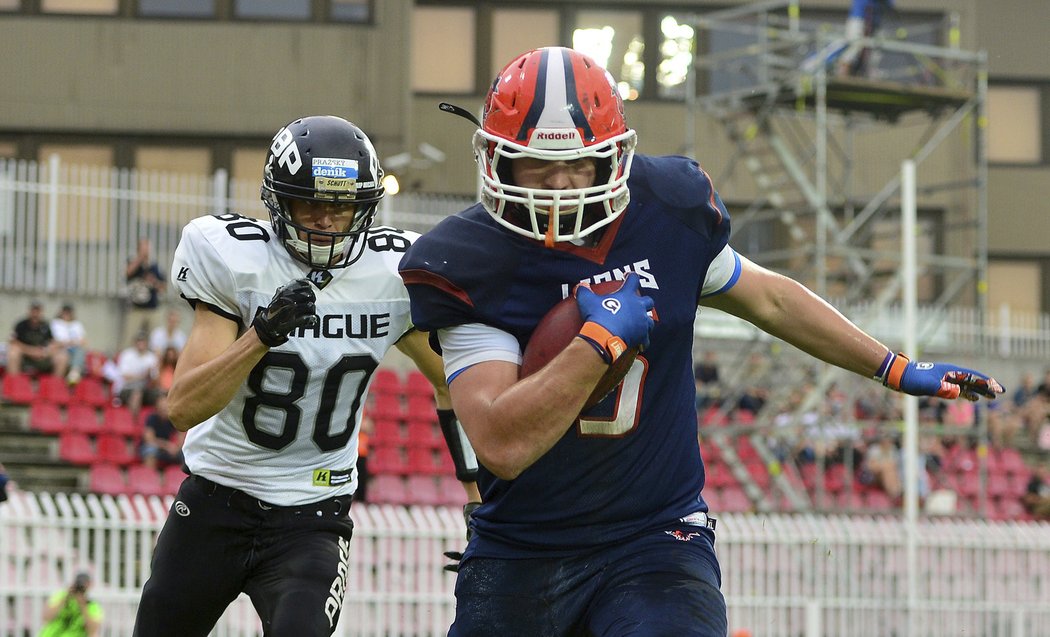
[(783, 575), (69, 230)]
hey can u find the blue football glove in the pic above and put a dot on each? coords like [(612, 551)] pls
[(943, 380), (614, 323)]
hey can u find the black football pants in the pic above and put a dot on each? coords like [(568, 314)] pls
[(218, 542)]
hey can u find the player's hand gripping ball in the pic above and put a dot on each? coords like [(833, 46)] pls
[(292, 307), (563, 323)]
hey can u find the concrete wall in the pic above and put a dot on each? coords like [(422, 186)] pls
[(127, 76)]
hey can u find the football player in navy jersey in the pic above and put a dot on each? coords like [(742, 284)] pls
[(593, 523), (270, 387)]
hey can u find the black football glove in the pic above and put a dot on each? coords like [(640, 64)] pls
[(456, 556), (292, 307)]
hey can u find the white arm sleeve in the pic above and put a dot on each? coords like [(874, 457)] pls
[(723, 273), (473, 343)]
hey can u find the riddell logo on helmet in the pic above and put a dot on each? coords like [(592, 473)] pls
[(556, 138)]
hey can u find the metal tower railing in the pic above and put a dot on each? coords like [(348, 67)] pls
[(793, 114)]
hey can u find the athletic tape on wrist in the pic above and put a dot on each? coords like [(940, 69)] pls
[(610, 346), (895, 365)]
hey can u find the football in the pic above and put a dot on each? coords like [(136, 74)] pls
[(557, 329)]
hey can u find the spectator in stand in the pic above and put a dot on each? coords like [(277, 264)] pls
[(168, 335), (69, 334), (1035, 408), (882, 466), (145, 283), (161, 442), (71, 613), (33, 348), (961, 418), (705, 373), (1036, 499), (138, 368), (1004, 422), (168, 359)]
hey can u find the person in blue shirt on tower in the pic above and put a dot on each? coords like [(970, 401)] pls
[(592, 520)]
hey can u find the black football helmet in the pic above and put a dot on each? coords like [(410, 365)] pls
[(329, 160)]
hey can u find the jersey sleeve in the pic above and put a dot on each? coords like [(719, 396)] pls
[(202, 275)]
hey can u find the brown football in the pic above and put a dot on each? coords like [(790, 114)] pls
[(557, 329)]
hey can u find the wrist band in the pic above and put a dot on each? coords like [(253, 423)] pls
[(892, 370), (609, 346)]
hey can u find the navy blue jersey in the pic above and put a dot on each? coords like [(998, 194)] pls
[(632, 462)]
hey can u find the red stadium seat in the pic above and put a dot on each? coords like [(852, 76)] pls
[(118, 420), (46, 418), (386, 381), (76, 448), (91, 391), (173, 478), (416, 384), (388, 489), (386, 407), (144, 480), (83, 419), (1011, 461), (93, 363), (387, 433), (451, 491), (423, 461), (423, 490), (421, 409), (53, 389), (18, 389), (425, 434), (386, 460), (734, 499), (746, 450), (107, 478), (878, 500), (114, 449)]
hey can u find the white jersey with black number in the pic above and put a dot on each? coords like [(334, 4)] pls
[(289, 435)]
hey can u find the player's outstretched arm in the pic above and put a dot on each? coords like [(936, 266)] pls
[(788, 310), (215, 362)]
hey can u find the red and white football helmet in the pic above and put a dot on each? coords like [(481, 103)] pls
[(554, 104)]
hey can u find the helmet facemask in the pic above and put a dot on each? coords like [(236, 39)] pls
[(318, 248), (550, 215)]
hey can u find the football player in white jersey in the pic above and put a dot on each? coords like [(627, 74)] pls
[(270, 387)]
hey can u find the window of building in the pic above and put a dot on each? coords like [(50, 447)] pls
[(92, 7), (1016, 284), (359, 11), (246, 171), (677, 46), (8, 150), (1015, 131), (614, 39), (85, 217), (515, 31), (191, 161), (272, 9), (438, 67), (176, 8)]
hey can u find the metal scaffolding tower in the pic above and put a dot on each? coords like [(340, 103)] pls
[(797, 118)]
